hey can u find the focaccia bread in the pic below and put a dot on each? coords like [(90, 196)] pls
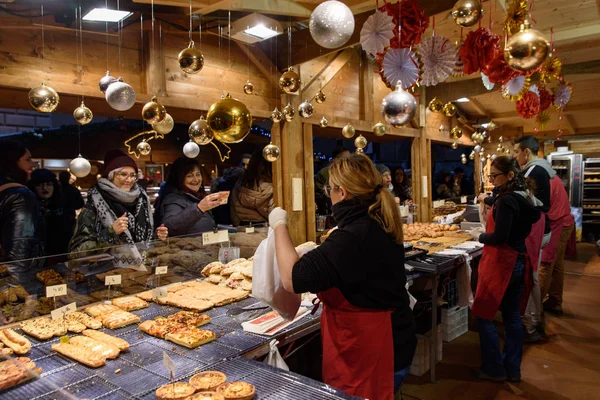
[(146, 296), (206, 396), (208, 380), (157, 328), (123, 345), (189, 318), (50, 277), (190, 337), (99, 309), (16, 371), (59, 326), (197, 305), (74, 326), (80, 354), (106, 350), (83, 318), (236, 391), (173, 391), (118, 319), (40, 328), (17, 343), (130, 303)]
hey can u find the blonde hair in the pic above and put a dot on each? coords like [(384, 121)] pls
[(357, 174)]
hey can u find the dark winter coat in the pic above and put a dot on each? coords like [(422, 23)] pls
[(179, 212)]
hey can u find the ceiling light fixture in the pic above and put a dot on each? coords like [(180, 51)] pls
[(462, 100), (260, 31), (106, 15)]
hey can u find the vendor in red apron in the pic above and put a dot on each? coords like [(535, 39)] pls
[(505, 272), (552, 268), (357, 273), (537, 169)]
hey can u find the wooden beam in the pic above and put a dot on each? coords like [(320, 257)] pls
[(273, 7), (478, 107), (367, 109), (568, 124), (309, 183), (262, 62), (277, 167), (567, 110), (327, 73), (365, 126)]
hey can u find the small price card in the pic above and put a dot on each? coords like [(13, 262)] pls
[(168, 362), (56, 290), (61, 312), (463, 200), (250, 230), (112, 280), (162, 270), (215, 237), (159, 292)]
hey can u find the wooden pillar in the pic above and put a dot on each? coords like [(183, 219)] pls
[(277, 167), (424, 172), (309, 184)]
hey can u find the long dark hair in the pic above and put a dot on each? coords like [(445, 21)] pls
[(259, 170), (506, 165), (10, 153), (179, 169)]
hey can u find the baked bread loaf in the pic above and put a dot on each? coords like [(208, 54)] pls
[(121, 344), (106, 350), (174, 391), (99, 309), (17, 343), (80, 354), (206, 396), (118, 319), (236, 391), (130, 303), (208, 380)]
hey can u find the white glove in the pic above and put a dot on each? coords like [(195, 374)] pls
[(475, 232), (278, 217)]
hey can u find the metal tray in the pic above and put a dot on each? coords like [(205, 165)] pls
[(434, 264)]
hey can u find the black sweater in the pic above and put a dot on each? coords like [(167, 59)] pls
[(542, 190), (514, 215), (367, 266)]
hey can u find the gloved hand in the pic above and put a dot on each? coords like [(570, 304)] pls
[(475, 232), (278, 217)]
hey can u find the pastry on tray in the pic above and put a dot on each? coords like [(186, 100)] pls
[(106, 350), (189, 318), (84, 319), (206, 396), (40, 328), (16, 371), (81, 354), (118, 319), (130, 303), (99, 309), (236, 391), (191, 337), (50, 277), (208, 380), (103, 337), (146, 296), (174, 391), (17, 343)]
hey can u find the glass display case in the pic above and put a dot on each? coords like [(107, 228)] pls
[(569, 168)]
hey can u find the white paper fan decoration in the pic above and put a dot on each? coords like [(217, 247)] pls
[(535, 90), (516, 88), (376, 33), (438, 56), (486, 82), (400, 65)]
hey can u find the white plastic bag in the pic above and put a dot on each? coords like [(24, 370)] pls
[(266, 281), (274, 358)]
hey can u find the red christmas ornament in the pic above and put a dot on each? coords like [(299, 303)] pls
[(413, 23), (546, 99), (529, 105), (478, 50)]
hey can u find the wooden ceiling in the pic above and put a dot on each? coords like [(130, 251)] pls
[(575, 27)]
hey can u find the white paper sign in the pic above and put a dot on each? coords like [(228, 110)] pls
[(159, 292), (439, 203), (168, 362), (463, 200), (61, 312), (212, 237), (112, 280), (162, 270), (56, 290), (250, 230)]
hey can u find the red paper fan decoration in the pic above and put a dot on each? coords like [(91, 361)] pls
[(478, 50), (546, 99), (413, 23), (529, 105)]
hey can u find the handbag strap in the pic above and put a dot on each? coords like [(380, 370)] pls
[(10, 186)]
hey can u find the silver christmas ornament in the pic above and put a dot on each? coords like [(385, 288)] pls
[(398, 107), (271, 152), (83, 115), (323, 123), (43, 98), (494, 157), (320, 97), (120, 95), (144, 148), (165, 126), (106, 81), (464, 160), (276, 116), (288, 112), (305, 109), (477, 149), (442, 128), (248, 88), (191, 149), (80, 167), (481, 154), (379, 129), (331, 24), (200, 133)]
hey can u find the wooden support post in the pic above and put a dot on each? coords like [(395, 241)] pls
[(424, 161), (366, 88), (277, 167), (309, 184)]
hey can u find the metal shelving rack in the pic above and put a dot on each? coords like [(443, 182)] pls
[(591, 200)]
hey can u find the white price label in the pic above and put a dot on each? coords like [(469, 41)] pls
[(162, 270), (168, 362), (112, 280), (439, 203), (61, 312), (250, 230), (463, 200), (218, 237), (159, 292), (56, 290)]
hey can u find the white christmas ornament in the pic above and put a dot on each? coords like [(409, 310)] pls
[(80, 167), (331, 24), (191, 149), (477, 149), (120, 95), (376, 33)]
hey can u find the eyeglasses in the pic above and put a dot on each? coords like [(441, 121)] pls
[(125, 175), (328, 189), (493, 176)]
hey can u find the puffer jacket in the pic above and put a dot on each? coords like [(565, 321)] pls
[(179, 212), (251, 205), (21, 232)]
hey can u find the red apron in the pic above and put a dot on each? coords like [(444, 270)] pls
[(560, 217), (358, 349), (495, 270), (533, 242)]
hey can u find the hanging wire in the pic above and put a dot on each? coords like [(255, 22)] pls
[(289, 46), (106, 27), (248, 54), (120, 39), (191, 40), (229, 37), (43, 38), (200, 30)]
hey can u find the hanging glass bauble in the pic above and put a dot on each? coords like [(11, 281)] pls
[(165, 126), (398, 107), (323, 122), (331, 24), (456, 133), (472, 155), (454, 145), (80, 167), (144, 148), (463, 160), (435, 105), (229, 120), (442, 128), (276, 116), (106, 81), (288, 112), (191, 59), (305, 109), (379, 129), (248, 88), (449, 109), (494, 157), (43, 98), (360, 151), (360, 142), (507, 151), (271, 152), (191, 149), (83, 115), (348, 131), (477, 149), (120, 95), (153, 112), (289, 81), (199, 132), (467, 13), (320, 97), (482, 154), (527, 49)]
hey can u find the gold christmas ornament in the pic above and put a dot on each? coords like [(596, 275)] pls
[(165, 126), (551, 70), (289, 81), (449, 109), (454, 145), (360, 142), (360, 151), (229, 120), (305, 109), (527, 49), (323, 123), (200, 133), (154, 112), (144, 148), (83, 115), (191, 59), (348, 131), (472, 155), (276, 116), (320, 97), (543, 119), (271, 152), (516, 14), (456, 133), (435, 105), (507, 151), (248, 88), (288, 112), (43, 98), (467, 13), (379, 129)]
